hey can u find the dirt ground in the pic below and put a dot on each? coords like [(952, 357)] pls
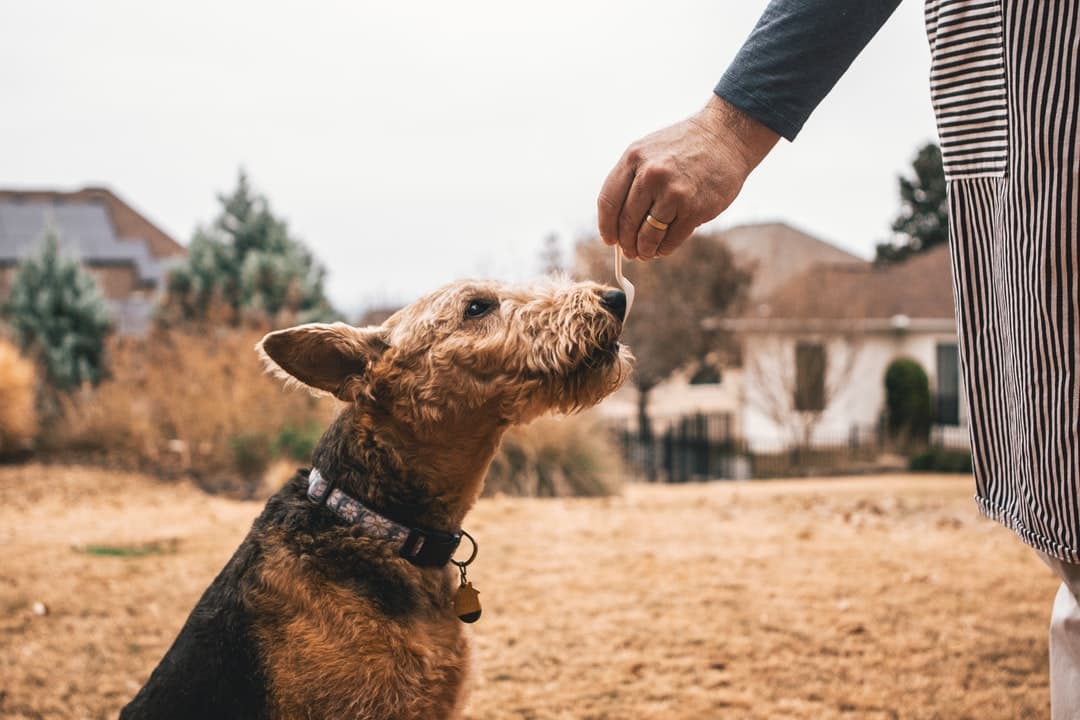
[(882, 597)]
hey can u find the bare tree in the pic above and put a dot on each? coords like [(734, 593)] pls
[(786, 382), (551, 259), (674, 296)]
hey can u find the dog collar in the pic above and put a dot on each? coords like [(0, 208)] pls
[(424, 548)]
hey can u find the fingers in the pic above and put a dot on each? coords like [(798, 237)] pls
[(636, 207), (649, 237), (609, 204), (628, 194), (676, 235)]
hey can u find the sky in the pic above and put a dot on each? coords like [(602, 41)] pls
[(410, 144)]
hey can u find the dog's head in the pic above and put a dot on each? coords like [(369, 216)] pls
[(468, 352)]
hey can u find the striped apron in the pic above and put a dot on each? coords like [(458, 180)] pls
[(1005, 82)]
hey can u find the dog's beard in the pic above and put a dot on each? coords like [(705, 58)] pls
[(598, 375)]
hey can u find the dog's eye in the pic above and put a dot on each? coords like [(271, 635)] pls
[(479, 308)]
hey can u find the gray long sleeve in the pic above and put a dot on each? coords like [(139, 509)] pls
[(796, 54)]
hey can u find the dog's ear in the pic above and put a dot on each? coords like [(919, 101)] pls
[(325, 357)]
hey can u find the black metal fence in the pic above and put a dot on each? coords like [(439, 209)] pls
[(705, 447)]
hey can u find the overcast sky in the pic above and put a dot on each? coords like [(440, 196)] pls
[(410, 144)]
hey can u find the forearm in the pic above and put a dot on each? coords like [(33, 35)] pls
[(670, 182), (796, 54)]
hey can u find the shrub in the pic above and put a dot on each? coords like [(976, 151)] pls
[(942, 460), (297, 442), (550, 457), (907, 402), (250, 454), (59, 316), (18, 418), (196, 404)]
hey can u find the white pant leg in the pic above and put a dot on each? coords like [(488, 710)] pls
[(1065, 642)]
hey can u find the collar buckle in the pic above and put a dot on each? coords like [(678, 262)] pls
[(428, 548)]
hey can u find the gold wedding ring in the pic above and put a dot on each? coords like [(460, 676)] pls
[(656, 223)]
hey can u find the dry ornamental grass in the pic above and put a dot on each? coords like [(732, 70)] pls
[(178, 404), (18, 418)]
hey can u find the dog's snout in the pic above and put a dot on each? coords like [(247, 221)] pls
[(614, 301)]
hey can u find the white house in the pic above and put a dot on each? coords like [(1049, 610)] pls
[(815, 351), (777, 253)]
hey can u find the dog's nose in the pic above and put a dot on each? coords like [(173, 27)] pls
[(614, 301)]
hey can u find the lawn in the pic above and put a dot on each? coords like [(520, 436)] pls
[(875, 597)]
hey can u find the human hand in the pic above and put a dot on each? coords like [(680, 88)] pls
[(681, 176)]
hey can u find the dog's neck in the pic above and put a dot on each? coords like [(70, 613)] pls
[(417, 481)]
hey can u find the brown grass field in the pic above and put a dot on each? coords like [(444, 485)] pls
[(882, 597)]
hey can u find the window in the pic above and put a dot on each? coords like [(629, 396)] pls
[(948, 385), (706, 374), (810, 377)]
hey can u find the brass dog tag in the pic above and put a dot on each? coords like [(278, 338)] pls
[(467, 603), (467, 598)]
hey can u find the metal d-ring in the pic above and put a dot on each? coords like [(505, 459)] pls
[(472, 556)]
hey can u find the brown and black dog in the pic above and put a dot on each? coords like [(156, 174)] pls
[(340, 601)]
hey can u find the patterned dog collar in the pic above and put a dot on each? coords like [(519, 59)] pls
[(424, 548)]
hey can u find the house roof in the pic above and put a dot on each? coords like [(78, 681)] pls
[(93, 224), (778, 252), (919, 288), (84, 230), (127, 222)]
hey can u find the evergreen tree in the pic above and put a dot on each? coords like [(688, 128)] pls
[(59, 316), (923, 222), (246, 266)]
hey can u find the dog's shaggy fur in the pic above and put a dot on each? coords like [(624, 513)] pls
[(312, 619)]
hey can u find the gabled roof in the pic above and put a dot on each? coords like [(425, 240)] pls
[(779, 252), (94, 225), (127, 222), (919, 288), (84, 231)]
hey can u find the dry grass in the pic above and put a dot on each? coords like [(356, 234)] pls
[(18, 417), (201, 405), (573, 456), (857, 598), (194, 404)]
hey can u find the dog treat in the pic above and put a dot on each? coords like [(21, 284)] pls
[(626, 285)]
